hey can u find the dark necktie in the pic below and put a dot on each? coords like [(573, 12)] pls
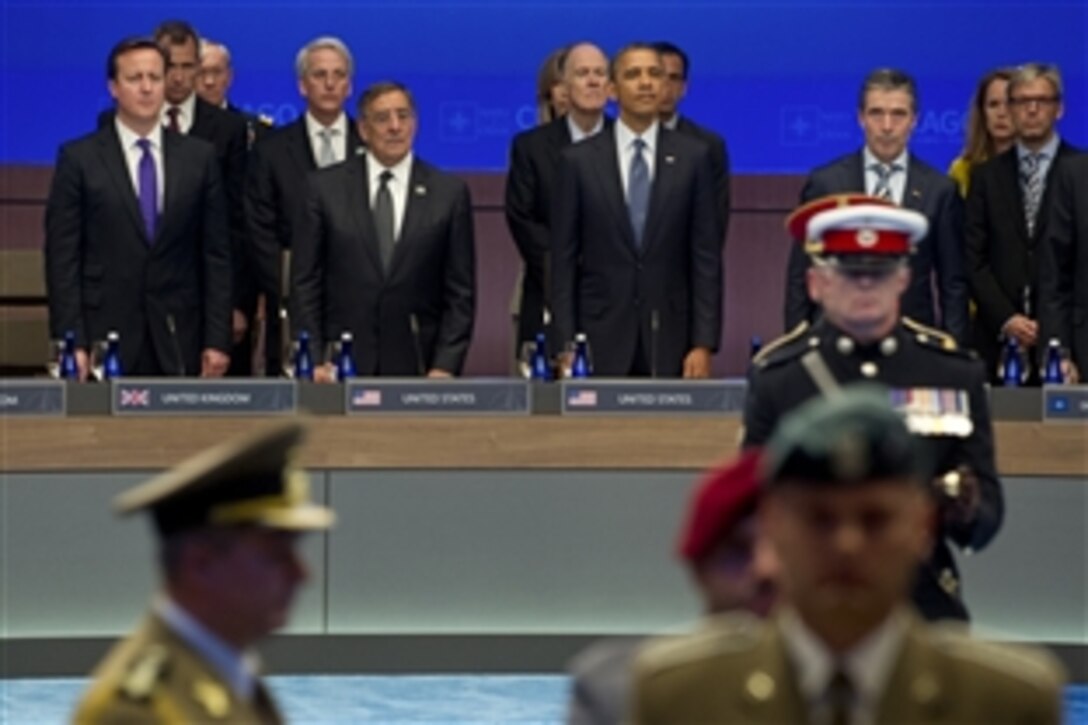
[(383, 218), (148, 189), (638, 191), (884, 173), (1031, 183), (172, 114), (840, 698)]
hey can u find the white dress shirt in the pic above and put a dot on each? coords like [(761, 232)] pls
[(339, 139), (897, 182), (134, 153), (398, 186), (186, 113), (576, 132), (868, 665), (239, 669), (1048, 152), (625, 149)]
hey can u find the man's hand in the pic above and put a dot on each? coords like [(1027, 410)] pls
[(1025, 330), (213, 363), (960, 497), (83, 364), (438, 373), (325, 373), (697, 363), (238, 326), (1070, 374)]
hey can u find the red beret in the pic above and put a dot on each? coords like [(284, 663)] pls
[(725, 494)]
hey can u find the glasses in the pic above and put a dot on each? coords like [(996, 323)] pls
[(1041, 101)]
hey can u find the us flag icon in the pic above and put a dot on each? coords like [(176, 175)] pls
[(135, 397), (367, 398), (582, 399)]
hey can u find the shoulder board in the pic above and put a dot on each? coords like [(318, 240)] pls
[(1018, 661), (773, 349), (145, 672), (932, 337), (733, 632)]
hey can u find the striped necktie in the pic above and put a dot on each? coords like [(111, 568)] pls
[(884, 173), (1031, 184)]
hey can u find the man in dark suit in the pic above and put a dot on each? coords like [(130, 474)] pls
[(673, 91), (1007, 212), (385, 251), (213, 83), (636, 244), (1063, 265), (534, 169), (136, 235), (887, 113), (276, 185)]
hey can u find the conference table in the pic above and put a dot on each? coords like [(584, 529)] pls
[(471, 542)]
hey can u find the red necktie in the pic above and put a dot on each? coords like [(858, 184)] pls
[(173, 112)]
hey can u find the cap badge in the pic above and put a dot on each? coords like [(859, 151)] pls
[(866, 238)]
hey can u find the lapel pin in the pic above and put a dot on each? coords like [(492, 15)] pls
[(670, 159), (916, 194), (420, 190)]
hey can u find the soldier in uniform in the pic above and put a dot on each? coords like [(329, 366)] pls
[(228, 521), (847, 509), (860, 247)]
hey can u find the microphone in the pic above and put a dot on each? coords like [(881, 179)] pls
[(413, 323), (172, 327), (655, 326)]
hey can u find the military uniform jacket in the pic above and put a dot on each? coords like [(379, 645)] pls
[(925, 370), (731, 674), (153, 676)]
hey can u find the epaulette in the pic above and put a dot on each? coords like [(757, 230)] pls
[(1016, 661), (145, 672), (935, 339), (731, 632), (781, 348)]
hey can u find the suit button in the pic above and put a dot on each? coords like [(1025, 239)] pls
[(638, 302)]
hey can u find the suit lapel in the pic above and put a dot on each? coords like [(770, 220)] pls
[(770, 692), (172, 167), (914, 188), (416, 207), (612, 183), (113, 159), (354, 145), (357, 199), (1048, 183), (918, 687), (1010, 194), (299, 148), (664, 172)]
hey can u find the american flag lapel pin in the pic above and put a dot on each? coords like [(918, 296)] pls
[(420, 190)]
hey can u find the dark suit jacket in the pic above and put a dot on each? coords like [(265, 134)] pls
[(102, 275), (1001, 256), (940, 253), (226, 131), (719, 157), (276, 194), (530, 191), (1063, 261), (338, 282), (605, 286)]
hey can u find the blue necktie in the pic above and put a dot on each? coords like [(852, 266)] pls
[(149, 189), (638, 191)]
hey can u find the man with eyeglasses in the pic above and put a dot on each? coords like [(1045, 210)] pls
[(1007, 216), (322, 135), (884, 167), (860, 249), (385, 250)]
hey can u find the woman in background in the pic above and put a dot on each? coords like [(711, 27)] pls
[(989, 126), (551, 94)]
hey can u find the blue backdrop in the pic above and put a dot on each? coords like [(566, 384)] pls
[(778, 78)]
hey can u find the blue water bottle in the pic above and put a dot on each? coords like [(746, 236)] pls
[(69, 369), (345, 363), (1052, 364), (540, 368), (304, 359), (580, 366), (1011, 369), (111, 365)]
